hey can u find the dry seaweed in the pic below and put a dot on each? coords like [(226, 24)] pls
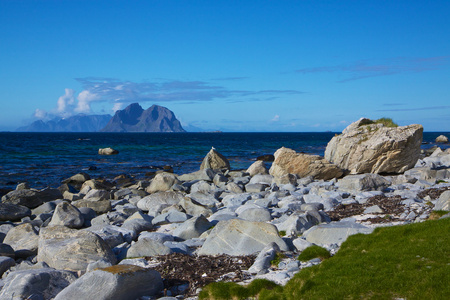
[(197, 271)]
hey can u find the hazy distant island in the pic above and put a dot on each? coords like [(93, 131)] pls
[(131, 119)]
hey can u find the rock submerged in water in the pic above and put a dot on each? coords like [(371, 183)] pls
[(107, 151), (367, 147), (442, 139)]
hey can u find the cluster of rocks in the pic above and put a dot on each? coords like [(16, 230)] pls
[(100, 239)]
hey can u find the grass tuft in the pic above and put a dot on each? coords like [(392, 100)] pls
[(314, 251), (231, 290)]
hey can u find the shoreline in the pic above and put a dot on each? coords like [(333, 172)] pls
[(181, 232)]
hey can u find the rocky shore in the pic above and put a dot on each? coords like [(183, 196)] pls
[(167, 237)]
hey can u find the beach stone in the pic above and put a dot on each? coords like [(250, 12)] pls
[(156, 202), (194, 208), (301, 244), (262, 261), (44, 283), (222, 215), (107, 151), (23, 237), (237, 200), (120, 282), (138, 222), (13, 212), (443, 202), (99, 206), (295, 224), (22, 186), (6, 263), (287, 161), (77, 180), (113, 235), (334, 232), (99, 264), (31, 198), (70, 249), (262, 179), (285, 179), (7, 251), (363, 182), (162, 183), (206, 199), (255, 187), (257, 168), (422, 173), (374, 209), (170, 217), (204, 174), (98, 194), (147, 247), (234, 188), (254, 213), (364, 147), (240, 237), (442, 139), (220, 180), (192, 228), (47, 207), (95, 184), (214, 160), (67, 215), (156, 236)]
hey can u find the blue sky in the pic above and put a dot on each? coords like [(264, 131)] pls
[(228, 65)]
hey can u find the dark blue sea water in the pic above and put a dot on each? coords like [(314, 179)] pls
[(44, 159)]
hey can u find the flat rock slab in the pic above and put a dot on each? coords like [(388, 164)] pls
[(334, 232), (70, 249), (239, 237), (43, 283), (121, 282)]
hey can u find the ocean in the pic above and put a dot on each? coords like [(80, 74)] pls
[(45, 159)]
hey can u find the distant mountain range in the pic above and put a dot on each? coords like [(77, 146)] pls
[(78, 123), (131, 119), (135, 119)]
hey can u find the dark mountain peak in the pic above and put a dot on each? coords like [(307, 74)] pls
[(130, 114), (134, 119)]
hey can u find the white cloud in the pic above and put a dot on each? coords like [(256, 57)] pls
[(65, 102), (84, 101), (276, 118), (40, 114)]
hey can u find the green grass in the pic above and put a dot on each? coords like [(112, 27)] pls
[(277, 259), (387, 122), (410, 261), (230, 290), (314, 251)]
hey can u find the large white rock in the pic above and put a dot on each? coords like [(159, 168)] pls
[(22, 237), (365, 147), (334, 232), (162, 182), (70, 249), (287, 161), (121, 282), (239, 237), (43, 283)]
